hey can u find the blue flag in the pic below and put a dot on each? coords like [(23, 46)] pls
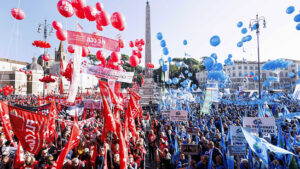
[(210, 163)]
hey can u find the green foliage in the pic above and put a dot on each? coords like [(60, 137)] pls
[(93, 59)]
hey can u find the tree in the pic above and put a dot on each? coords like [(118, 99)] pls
[(92, 59)]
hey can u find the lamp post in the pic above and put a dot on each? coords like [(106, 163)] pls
[(255, 25), (45, 28)]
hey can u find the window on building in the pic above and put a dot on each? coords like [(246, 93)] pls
[(286, 68), (251, 67), (240, 67), (246, 67), (240, 74), (233, 68), (286, 74), (264, 75), (281, 74), (270, 74), (256, 68), (233, 74), (293, 71), (293, 65)]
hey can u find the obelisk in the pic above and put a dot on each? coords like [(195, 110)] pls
[(148, 72)]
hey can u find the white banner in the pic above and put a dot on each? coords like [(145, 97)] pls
[(102, 72), (237, 136), (296, 94), (89, 102), (267, 125), (178, 115)]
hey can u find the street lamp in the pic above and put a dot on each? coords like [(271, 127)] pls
[(45, 28), (255, 25)]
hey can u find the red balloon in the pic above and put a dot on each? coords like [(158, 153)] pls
[(57, 25), (99, 6), (100, 55), (117, 20), (99, 27), (150, 65), (131, 44), (61, 34), (115, 57), (46, 58), (121, 43), (18, 13), (140, 48), (85, 51), (122, 62), (133, 61), (25, 72), (139, 54), (21, 70), (80, 13), (65, 8), (71, 49), (30, 71), (78, 4), (90, 13), (142, 42), (137, 43), (119, 67), (134, 52), (103, 62), (103, 18)]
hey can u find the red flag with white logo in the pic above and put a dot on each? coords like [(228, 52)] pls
[(29, 128), (51, 125), (19, 157)]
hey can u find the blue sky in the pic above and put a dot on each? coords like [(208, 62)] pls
[(193, 20)]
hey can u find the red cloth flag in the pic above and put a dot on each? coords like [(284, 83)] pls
[(94, 156), (19, 157), (87, 92), (84, 114), (61, 87), (72, 143), (110, 122), (123, 151), (4, 116), (105, 158), (29, 128), (104, 133), (51, 125), (92, 111)]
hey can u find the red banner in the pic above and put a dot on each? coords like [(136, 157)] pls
[(5, 120), (29, 128), (94, 41)]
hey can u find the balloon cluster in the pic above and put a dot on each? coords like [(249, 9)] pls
[(272, 78), (291, 10), (228, 61), (47, 79), (291, 75), (61, 34), (163, 43), (276, 64), (216, 75), (41, 44), (46, 57), (135, 58), (246, 38), (91, 13), (18, 13), (7, 90), (69, 70), (215, 69), (267, 83)]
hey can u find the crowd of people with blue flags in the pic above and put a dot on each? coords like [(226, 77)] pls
[(213, 138)]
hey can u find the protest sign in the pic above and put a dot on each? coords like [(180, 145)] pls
[(237, 150), (178, 115), (267, 125), (165, 113), (89, 102), (189, 149), (192, 130), (237, 136), (102, 72)]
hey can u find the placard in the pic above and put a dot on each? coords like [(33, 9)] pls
[(237, 150), (91, 40), (192, 130), (189, 149), (178, 115), (102, 72), (237, 136), (89, 102), (267, 125), (165, 113)]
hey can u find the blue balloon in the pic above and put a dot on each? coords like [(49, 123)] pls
[(291, 74), (181, 89), (215, 40), (290, 9), (163, 43), (190, 74), (246, 73), (218, 67), (239, 44), (184, 42), (297, 18), (209, 62), (267, 83), (194, 86), (254, 27), (239, 24), (229, 56), (178, 64), (251, 73), (169, 59), (298, 27), (214, 55), (169, 82), (159, 36), (165, 68), (186, 71), (165, 51), (244, 39), (244, 30), (249, 37), (175, 80)]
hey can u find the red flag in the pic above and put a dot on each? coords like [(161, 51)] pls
[(61, 66), (84, 114), (123, 151), (94, 156), (29, 128), (104, 133), (87, 92), (19, 157), (61, 87), (5, 121), (92, 111), (51, 125), (110, 122), (105, 158), (72, 143)]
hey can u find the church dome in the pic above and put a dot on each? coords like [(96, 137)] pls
[(34, 65)]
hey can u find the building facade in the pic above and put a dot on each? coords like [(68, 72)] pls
[(239, 75)]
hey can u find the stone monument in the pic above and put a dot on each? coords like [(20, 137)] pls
[(150, 91)]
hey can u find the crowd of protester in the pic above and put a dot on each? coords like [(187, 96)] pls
[(158, 142)]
